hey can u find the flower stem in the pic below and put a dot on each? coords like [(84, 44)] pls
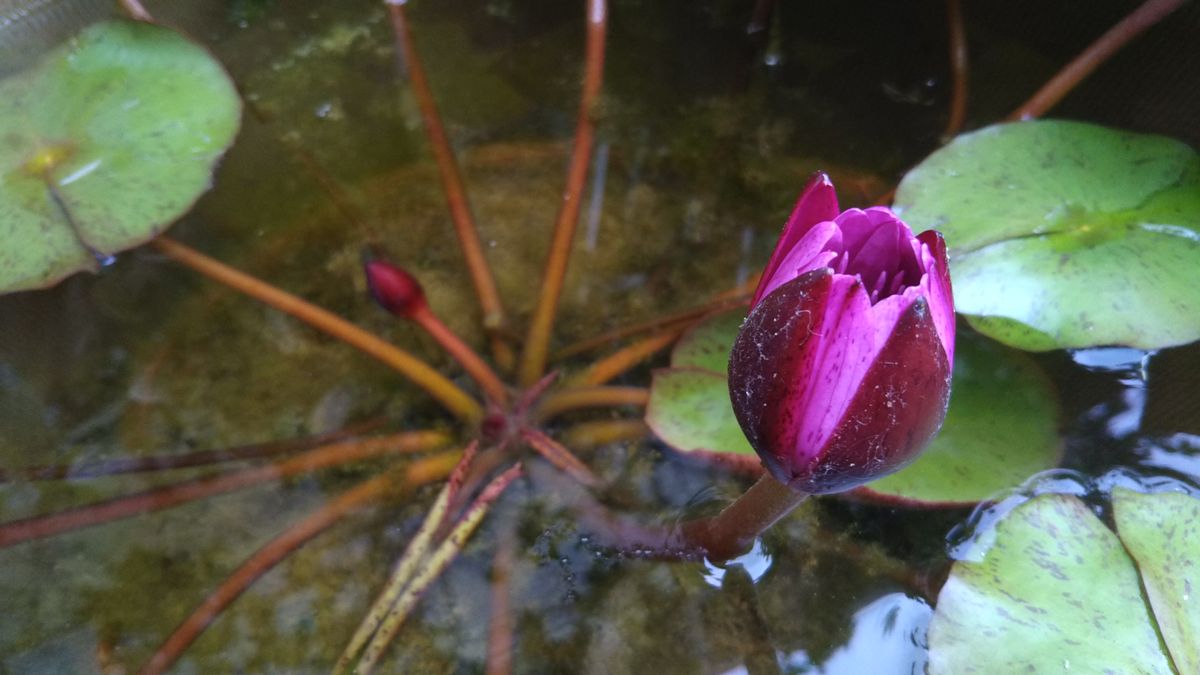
[(434, 383), (37, 527), (475, 366), (501, 619), (958, 69), (1133, 25), (452, 184), (625, 358), (264, 559), (533, 358), (591, 397), (732, 531)]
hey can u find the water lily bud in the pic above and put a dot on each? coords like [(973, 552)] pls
[(841, 372), (394, 289)]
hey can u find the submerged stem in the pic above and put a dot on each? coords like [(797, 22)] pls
[(537, 342), (1133, 25), (37, 527), (452, 185), (625, 358), (958, 69), (420, 373), (591, 397), (264, 559)]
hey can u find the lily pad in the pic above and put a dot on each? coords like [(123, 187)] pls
[(1058, 590), (1001, 428), (1162, 533), (103, 145), (1066, 235)]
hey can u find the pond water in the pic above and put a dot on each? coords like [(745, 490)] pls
[(706, 134)]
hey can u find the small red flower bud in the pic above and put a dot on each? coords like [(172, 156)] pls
[(394, 289)]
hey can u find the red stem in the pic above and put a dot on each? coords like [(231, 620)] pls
[(1133, 25), (958, 69), (38, 527), (123, 465)]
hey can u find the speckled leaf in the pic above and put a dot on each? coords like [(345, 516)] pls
[(707, 345), (103, 144), (1056, 592), (1065, 234), (1162, 533), (1001, 428), (689, 409)]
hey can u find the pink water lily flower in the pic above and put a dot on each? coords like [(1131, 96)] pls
[(841, 372)]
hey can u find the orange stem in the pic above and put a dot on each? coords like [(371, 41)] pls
[(591, 397), (135, 10), (123, 465), (434, 383), (452, 184), (17, 531), (1133, 25), (475, 366), (958, 69), (625, 358), (264, 559), (537, 342), (726, 301), (588, 435)]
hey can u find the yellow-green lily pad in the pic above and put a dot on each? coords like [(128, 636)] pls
[(1056, 590), (1001, 428), (103, 144), (1066, 235)]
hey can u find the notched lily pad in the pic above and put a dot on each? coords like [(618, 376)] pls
[(103, 144), (1058, 590), (1066, 235), (1001, 428)]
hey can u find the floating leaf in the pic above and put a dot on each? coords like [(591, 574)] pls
[(689, 409), (1055, 592), (1001, 428), (1162, 533), (103, 144), (707, 345), (1065, 234)]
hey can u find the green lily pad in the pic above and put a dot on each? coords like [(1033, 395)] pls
[(103, 145), (1066, 235), (707, 345), (1057, 590), (1001, 428), (689, 409), (1162, 533)]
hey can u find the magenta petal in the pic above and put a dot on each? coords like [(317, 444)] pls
[(898, 408), (816, 337), (939, 291), (813, 251), (817, 203)]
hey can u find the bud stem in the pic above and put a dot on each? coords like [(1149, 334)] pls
[(471, 362), (732, 531)]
